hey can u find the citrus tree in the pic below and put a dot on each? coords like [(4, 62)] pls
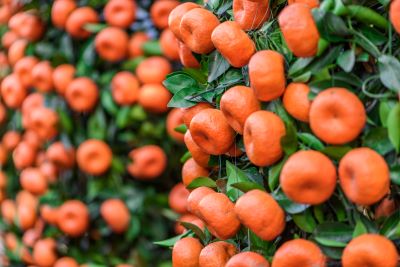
[(291, 111), (88, 147)]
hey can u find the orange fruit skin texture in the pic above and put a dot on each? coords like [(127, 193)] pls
[(62, 156), (186, 56), (263, 131), (43, 121), (175, 17), (296, 102), (153, 70), (189, 113), (216, 254), (125, 88), (94, 157), (174, 119), (49, 214), (42, 74), (73, 218), (60, 12), (211, 132), (237, 104), (63, 75), (191, 170), (201, 157), (154, 98), (267, 75), (297, 24), (82, 94), (233, 43), (196, 28), (394, 14), (8, 211), (364, 176), (269, 220), (337, 116), (13, 92), (386, 208), (217, 211), (66, 262), (177, 198), (26, 215), (160, 10), (44, 252), (308, 177), (169, 45), (33, 181), (186, 252), (250, 14), (111, 44), (148, 162), (135, 44), (299, 252), (17, 51), (8, 39), (370, 250), (310, 3), (10, 140), (116, 215), (195, 197), (23, 68), (24, 155), (247, 259), (77, 20), (120, 13)]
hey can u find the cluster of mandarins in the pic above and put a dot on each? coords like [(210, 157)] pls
[(336, 116), (37, 153)]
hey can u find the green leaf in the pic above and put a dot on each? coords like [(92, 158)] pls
[(359, 229), (288, 205), (108, 103), (178, 80), (298, 66), (195, 229), (152, 48), (202, 181), (389, 72), (181, 129), (384, 109), (134, 228), (325, 60), (377, 139), (334, 231), (329, 242), (305, 221), (391, 226), (235, 175), (273, 174), (123, 117), (289, 141), (179, 99), (171, 241), (331, 27), (393, 124), (185, 157), (395, 174), (336, 152), (347, 60), (94, 27), (247, 186), (310, 141), (217, 66)]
